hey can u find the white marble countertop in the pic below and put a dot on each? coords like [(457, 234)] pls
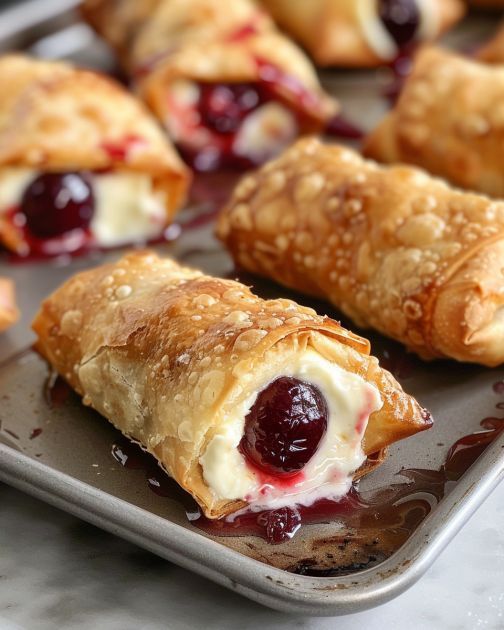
[(59, 572)]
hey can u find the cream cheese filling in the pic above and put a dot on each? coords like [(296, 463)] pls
[(127, 208), (350, 400), (377, 36)]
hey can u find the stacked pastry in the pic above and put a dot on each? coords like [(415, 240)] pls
[(228, 87), (81, 162)]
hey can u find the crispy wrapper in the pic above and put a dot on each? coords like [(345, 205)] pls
[(349, 32), (463, 142), (164, 352), (393, 248), (54, 117)]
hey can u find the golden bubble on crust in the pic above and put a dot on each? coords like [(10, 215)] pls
[(248, 339)]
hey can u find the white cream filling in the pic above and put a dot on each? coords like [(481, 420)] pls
[(377, 36), (265, 132), (350, 400), (127, 208)]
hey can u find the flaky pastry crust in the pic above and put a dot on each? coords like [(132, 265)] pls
[(393, 248), (333, 33), (54, 117), (164, 351), (462, 141), (9, 313), (205, 41)]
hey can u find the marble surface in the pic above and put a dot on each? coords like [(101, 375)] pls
[(59, 572)]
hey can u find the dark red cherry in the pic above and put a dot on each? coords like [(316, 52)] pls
[(280, 525), (55, 203), (223, 106), (401, 18), (284, 427)]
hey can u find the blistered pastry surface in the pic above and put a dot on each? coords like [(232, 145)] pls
[(161, 350), (380, 243)]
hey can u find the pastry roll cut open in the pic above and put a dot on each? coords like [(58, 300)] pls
[(363, 33), (449, 119), (245, 402), (393, 248), (9, 313), (230, 89), (81, 161)]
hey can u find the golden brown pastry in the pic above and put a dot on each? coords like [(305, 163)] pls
[(9, 313), (243, 401), (449, 119), (393, 248), (362, 32), (493, 51), (81, 161), (230, 89)]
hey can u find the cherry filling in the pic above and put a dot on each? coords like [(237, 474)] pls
[(401, 18), (284, 427), (221, 110), (56, 203), (223, 107)]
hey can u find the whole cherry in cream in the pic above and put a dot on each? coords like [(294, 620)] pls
[(285, 426)]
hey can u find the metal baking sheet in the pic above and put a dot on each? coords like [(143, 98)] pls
[(61, 452)]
